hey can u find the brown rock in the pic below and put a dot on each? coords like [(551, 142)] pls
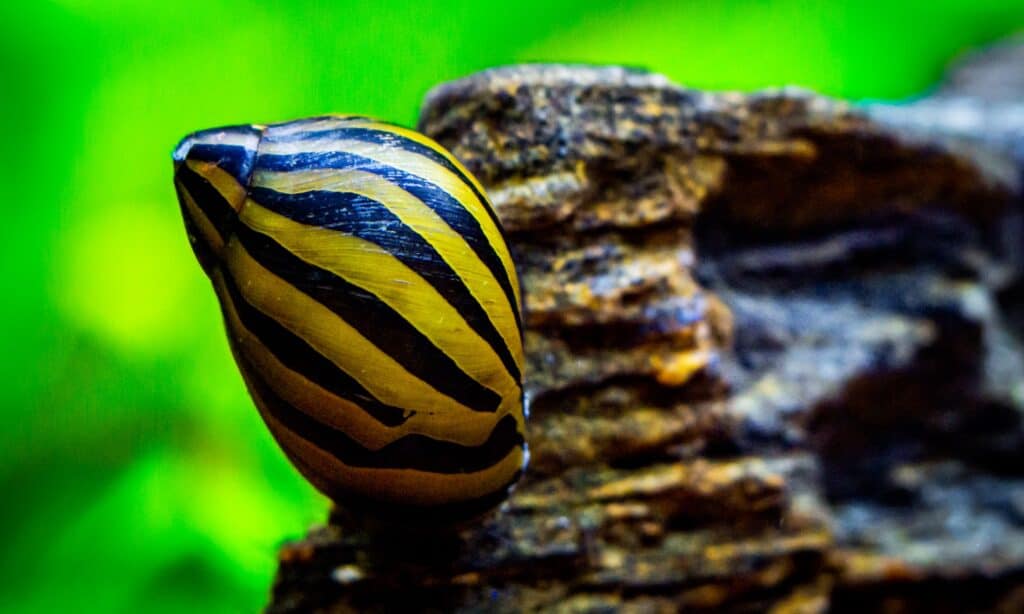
[(773, 361)]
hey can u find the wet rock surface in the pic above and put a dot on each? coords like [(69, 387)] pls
[(774, 356)]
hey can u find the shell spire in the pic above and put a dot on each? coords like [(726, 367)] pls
[(212, 169)]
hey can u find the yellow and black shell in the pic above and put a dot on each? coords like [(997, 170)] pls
[(372, 306)]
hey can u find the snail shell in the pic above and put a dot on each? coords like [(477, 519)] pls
[(371, 304)]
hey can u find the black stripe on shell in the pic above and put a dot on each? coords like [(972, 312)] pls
[(414, 451), (209, 200), (373, 319), (371, 220), (203, 251), (441, 202), (297, 355), (370, 513), (396, 140)]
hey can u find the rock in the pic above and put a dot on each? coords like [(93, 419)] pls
[(774, 359), (979, 102)]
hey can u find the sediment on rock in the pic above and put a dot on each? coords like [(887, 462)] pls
[(773, 360)]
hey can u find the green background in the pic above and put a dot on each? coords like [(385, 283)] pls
[(135, 473)]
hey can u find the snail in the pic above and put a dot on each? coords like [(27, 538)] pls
[(372, 307)]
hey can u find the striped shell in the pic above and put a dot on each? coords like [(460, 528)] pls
[(372, 307)]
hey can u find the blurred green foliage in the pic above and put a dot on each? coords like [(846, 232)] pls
[(137, 475)]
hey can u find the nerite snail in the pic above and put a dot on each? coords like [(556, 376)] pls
[(371, 304)]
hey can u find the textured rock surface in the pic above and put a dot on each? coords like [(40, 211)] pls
[(774, 350)]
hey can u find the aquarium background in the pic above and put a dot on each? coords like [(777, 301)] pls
[(136, 475)]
